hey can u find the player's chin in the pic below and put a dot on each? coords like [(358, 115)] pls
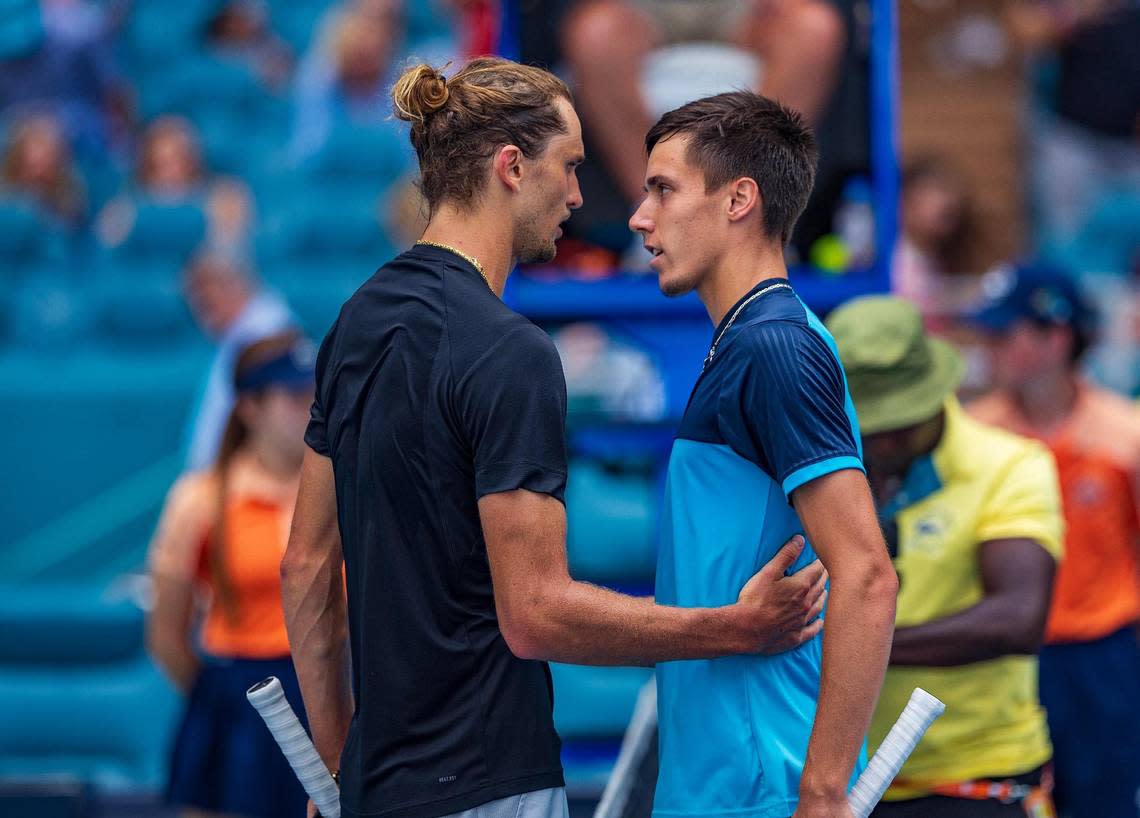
[(541, 254), (672, 284)]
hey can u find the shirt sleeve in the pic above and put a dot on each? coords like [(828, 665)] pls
[(1025, 502), (791, 414), (511, 403), (186, 516), (316, 434)]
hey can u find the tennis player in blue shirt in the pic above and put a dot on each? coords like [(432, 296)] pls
[(769, 446)]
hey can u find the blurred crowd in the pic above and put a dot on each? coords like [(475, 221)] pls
[(136, 136)]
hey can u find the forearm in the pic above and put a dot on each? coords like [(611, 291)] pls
[(994, 627), (317, 621), (174, 655), (856, 646), (579, 623)]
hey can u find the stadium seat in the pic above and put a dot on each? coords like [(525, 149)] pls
[(297, 21), (239, 121), (595, 702), (157, 34), (21, 28), (162, 237), (426, 20), (81, 697), (316, 292), (28, 243), (611, 519), (147, 313), (48, 315), (324, 229), (361, 159)]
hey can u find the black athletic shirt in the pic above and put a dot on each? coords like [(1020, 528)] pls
[(430, 394)]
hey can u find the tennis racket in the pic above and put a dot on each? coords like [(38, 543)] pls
[(919, 713), (269, 700)]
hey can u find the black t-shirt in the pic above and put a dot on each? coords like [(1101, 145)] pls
[(430, 394)]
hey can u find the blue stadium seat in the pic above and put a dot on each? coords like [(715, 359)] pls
[(362, 159), (81, 697), (611, 518), (48, 315), (595, 702), (316, 292), (239, 120), (427, 19), (142, 313), (162, 237), (21, 28), (331, 229), (158, 33), (297, 21), (29, 244)]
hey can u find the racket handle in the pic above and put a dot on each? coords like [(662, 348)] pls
[(268, 698), (919, 713)]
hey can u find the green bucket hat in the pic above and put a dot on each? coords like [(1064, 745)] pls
[(898, 375)]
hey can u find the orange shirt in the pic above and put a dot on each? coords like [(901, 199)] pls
[(1097, 448), (259, 510)]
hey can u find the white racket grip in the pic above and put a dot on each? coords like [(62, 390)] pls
[(268, 698), (919, 713)]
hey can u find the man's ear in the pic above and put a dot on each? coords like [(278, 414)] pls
[(507, 166), (744, 198)]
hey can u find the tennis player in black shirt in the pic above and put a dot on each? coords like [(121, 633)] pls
[(434, 486)]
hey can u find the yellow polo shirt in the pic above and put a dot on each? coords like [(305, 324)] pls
[(979, 484)]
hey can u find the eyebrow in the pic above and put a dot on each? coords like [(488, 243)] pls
[(658, 179)]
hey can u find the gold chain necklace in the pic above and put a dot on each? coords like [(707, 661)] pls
[(474, 262), (736, 314)]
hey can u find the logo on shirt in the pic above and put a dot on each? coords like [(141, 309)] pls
[(930, 531), (447, 779)]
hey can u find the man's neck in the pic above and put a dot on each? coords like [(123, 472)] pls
[(739, 270), (480, 233), (1047, 400), (886, 483)]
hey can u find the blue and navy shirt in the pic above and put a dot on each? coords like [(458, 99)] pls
[(769, 413)]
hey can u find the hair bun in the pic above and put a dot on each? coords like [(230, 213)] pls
[(419, 93)]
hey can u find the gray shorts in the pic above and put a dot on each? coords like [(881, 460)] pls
[(549, 803)]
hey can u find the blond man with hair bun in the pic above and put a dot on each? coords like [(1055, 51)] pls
[(436, 477)]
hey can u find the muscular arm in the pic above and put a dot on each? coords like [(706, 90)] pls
[(1017, 575), (839, 517), (544, 614), (312, 590)]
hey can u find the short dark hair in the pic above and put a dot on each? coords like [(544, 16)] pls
[(741, 133)]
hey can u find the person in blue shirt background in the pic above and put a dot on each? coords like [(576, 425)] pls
[(769, 446)]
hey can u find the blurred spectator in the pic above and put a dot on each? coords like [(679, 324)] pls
[(972, 518), (610, 44), (233, 312), (1090, 668), (170, 174), (1085, 137), (934, 221), (37, 166), (62, 62), (239, 30), (351, 87), (218, 550)]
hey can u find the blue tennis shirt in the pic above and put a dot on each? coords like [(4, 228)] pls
[(769, 413)]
